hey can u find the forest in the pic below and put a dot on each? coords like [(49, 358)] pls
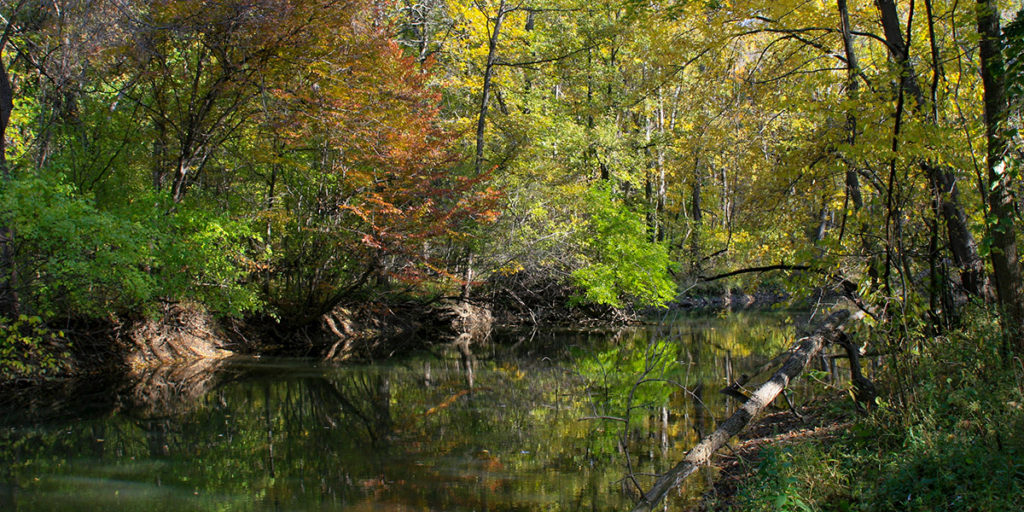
[(283, 167)]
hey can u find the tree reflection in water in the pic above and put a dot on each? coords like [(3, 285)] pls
[(300, 435)]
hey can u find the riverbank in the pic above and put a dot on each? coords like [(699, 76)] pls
[(359, 331), (947, 434), (754, 449)]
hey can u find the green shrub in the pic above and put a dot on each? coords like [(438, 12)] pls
[(798, 478), (73, 258), (621, 261), (28, 349), (204, 257), (961, 473)]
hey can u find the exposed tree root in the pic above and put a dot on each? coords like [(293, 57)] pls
[(184, 332)]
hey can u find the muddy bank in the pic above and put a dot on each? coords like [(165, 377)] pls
[(183, 335), (378, 330), (183, 332)]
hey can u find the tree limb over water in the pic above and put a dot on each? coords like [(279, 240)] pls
[(755, 269), (700, 455)]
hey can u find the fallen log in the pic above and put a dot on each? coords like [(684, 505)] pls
[(781, 266), (735, 388), (801, 354)]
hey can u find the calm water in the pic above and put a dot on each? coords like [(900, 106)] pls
[(552, 421)]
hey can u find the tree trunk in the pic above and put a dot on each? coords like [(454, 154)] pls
[(823, 222), (852, 68), (481, 127), (662, 191), (6, 109), (943, 181), (1005, 263), (160, 163), (527, 73), (698, 217), (492, 57), (802, 354), (8, 286), (650, 203)]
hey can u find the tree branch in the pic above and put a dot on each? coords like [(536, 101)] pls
[(781, 266)]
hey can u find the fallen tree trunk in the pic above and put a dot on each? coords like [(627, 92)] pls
[(735, 388), (781, 266), (801, 354)]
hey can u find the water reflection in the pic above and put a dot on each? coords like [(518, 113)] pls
[(548, 421)]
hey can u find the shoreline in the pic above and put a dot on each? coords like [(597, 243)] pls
[(740, 464)]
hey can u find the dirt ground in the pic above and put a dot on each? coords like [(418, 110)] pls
[(778, 428)]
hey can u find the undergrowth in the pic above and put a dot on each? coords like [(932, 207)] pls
[(955, 442)]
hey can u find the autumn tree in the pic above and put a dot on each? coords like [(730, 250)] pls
[(238, 154)]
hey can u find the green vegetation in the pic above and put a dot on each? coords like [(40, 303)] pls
[(948, 436), (271, 161), (620, 260), (78, 259), (27, 348)]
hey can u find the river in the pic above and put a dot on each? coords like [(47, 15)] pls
[(544, 421)]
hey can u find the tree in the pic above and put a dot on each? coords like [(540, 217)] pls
[(8, 281), (943, 181), (1002, 227)]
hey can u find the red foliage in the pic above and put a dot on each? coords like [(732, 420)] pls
[(362, 97)]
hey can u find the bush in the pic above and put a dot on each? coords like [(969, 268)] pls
[(75, 259), (29, 350), (621, 261), (70, 257), (798, 478)]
